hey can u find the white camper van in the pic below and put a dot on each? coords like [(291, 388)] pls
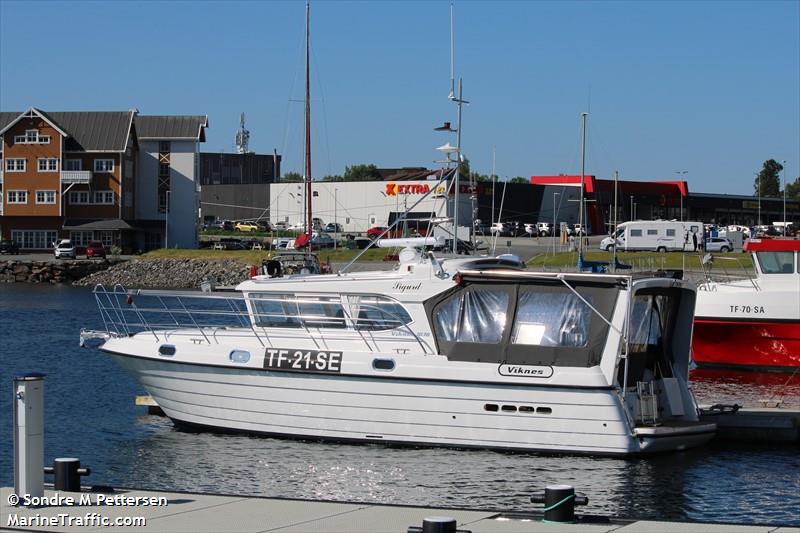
[(657, 235)]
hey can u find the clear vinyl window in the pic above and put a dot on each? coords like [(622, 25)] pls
[(776, 262), (551, 319), (478, 315)]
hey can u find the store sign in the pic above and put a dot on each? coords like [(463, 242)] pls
[(393, 189)]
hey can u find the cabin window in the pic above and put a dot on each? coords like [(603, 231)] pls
[(275, 311), (636, 233), (551, 319), (376, 313), (652, 232), (321, 312), (670, 232), (476, 315), (776, 262)]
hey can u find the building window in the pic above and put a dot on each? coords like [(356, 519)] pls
[(79, 197), (73, 164), (31, 137), (34, 239), (106, 237), (163, 170), (81, 238), (45, 197), (48, 165), (104, 197), (16, 165), (17, 197), (163, 146), (104, 165)]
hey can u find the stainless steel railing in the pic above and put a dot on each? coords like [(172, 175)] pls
[(212, 316)]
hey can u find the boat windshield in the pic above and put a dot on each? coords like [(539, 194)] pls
[(776, 262)]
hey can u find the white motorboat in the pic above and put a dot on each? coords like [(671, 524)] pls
[(463, 352)]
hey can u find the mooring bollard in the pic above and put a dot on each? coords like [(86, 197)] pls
[(559, 503), (67, 473), (437, 524), (28, 392)]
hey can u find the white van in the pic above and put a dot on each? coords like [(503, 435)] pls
[(656, 235)]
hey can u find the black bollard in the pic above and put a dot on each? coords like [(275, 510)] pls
[(437, 524), (559, 503), (67, 472)]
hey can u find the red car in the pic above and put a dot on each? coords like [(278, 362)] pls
[(95, 249), (375, 232)]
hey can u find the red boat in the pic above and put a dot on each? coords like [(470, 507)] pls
[(752, 323)]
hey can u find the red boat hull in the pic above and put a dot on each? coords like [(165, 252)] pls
[(758, 345)]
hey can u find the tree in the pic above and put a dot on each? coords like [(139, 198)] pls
[(361, 173), (768, 182), (519, 179), (335, 177), (292, 177), (793, 190)]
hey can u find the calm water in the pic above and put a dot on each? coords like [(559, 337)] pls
[(90, 414)]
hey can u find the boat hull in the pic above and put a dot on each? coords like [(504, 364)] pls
[(772, 345), (367, 409)]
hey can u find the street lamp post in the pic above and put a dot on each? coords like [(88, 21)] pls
[(682, 174), (784, 197), (335, 223), (758, 182), (632, 217), (166, 228), (554, 220)]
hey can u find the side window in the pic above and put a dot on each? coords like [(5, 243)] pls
[(476, 314), (776, 262), (551, 319), (670, 233), (376, 313), (275, 311), (321, 312), (652, 232), (636, 233)]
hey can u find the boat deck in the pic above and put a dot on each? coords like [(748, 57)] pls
[(192, 512)]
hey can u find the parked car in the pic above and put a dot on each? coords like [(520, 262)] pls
[(9, 247), (280, 225), (222, 225), (246, 226), (63, 249), (358, 243), (502, 229), (333, 227), (375, 232), (95, 249), (718, 244), (322, 240)]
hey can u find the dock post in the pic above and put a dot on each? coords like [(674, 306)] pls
[(28, 392)]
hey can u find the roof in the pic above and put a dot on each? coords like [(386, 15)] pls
[(91, 131), (172, 127), (107, 224)]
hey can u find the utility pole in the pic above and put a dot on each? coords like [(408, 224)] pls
[(584, 117), (784, 197), (682, 174), (554, 221)]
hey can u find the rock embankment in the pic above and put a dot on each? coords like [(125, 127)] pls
[(12, 271), (170, 274)]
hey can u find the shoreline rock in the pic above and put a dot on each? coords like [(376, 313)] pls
[(14, 271), (169, 274)]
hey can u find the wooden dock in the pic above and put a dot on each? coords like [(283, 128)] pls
[(188, 512)]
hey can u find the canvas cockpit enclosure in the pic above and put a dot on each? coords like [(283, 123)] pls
[(514, 318)]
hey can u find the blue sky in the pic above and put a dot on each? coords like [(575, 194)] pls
[(709, 87)]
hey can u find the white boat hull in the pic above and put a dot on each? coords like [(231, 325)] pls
[(372, 409)]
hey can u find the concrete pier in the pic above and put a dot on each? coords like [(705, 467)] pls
[(136, 510), (756, 424)]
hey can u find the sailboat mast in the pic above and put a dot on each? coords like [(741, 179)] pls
[(308, 124), (584, 116)]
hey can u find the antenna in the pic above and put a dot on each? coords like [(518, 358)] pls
[(242, 138)]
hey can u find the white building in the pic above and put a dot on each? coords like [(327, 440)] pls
[(360, 205), (168, 188)]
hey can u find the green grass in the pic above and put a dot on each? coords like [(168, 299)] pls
[(644, 260), (254, 257)]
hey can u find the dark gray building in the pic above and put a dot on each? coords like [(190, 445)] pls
[(236, 186)]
